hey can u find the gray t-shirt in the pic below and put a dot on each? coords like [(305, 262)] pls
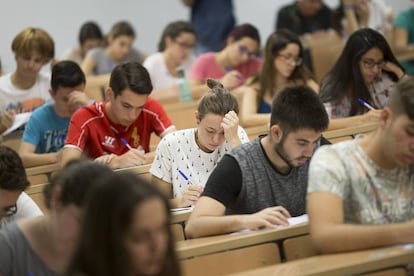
[(245, 181), (370, 194), (17, 257), (104, 65)]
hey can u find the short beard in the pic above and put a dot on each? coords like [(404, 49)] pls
[(282, 154)]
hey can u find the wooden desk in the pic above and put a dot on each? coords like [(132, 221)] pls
[(349, 131), (208, 245), (342, 264), (45, 169), (180, 217)]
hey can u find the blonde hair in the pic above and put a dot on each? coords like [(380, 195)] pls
[(34, 39)]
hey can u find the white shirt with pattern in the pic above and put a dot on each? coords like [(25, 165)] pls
[(370, 194), (179, 151)]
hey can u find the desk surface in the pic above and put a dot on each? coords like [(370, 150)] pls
[(45, 169), (208, 245), (341, 264), (182, 216)]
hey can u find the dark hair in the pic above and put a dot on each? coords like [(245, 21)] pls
[(108, 217), (298, 107), (66, 73), (12, 173), (122, 28), (89, 30), (75, 180), (130, 75), (276, 42), (345, 78), (218, 101), (34, 39), (245, 30), (401, 100), (174, 30)]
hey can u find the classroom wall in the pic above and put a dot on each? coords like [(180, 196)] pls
[(62, 19)]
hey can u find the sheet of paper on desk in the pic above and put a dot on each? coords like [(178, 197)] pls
[(298, 220), (292, 221), (19, 120)]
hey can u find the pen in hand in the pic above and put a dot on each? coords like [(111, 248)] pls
[(126, 143), (184, 176), (228, 69), (365, 104), (129, 146)]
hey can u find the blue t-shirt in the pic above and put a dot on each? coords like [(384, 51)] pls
[(46, 130), (264, 107), (405, 20)]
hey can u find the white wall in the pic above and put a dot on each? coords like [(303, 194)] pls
[(62, 19)]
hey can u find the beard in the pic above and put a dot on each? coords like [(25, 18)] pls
[(280, 150)]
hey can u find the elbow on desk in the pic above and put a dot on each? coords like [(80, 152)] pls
[(191, 230), (326, 243)]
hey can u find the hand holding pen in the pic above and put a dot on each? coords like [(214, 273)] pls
[(133, 157), (372, 115), (191, 194), (232, 78)]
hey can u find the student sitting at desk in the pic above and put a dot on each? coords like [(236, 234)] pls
[(99, 61), (360, 192), (44, 245), (184, 159), (26, 88), (283, 66), (14, 202), (90, 36), (126, 231), (232, 65), (175, 54), (366, 69), (117, 132), (264, 182), (45, 133)]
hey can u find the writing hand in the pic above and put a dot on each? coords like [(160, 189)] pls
[(268, 218), (191, 195), (232, 79), (133, 157), (7, 118)]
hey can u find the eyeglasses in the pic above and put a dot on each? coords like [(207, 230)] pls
[(245, 51), (10, 210), (369, 64), (288, 58), (184, 45)]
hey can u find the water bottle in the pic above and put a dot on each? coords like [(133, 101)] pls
[(184, 87)]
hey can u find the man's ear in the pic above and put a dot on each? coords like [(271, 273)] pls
[(168, 41), (385, 117), (197, 116), (52, 93), (109, 94), (277, 133)]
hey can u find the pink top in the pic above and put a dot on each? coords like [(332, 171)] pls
[(205, 66)]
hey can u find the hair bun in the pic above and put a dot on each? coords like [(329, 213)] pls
[(213, 83)]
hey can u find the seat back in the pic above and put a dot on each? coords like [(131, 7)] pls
[(232, 261)]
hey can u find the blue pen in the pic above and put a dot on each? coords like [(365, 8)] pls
[(125, 143), (183, 175), (365, 104), (228, 69)]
